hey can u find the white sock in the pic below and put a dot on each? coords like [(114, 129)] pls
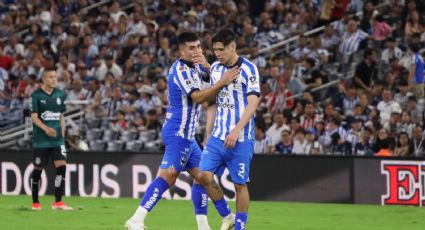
[(140, 215), (230, 216), (202, 221)]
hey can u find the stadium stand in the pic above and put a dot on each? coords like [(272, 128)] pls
[(340, 78)]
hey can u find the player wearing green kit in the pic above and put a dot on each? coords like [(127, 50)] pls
[(47, 106)]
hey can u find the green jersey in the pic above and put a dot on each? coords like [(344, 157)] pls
[(49, 109)]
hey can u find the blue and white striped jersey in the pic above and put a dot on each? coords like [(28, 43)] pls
[(351, 41), (182, 113), (233, 99)]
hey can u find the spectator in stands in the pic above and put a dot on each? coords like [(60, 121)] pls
[(381, 29), (364, 147), (120, 123), (403, 94), (416, 112), (350, 100), (405, 124), (308, 119), (275, 78), (330, 40), (387, 106), (334, 140), (313, 77), (74, 142), (77, 92), (402, 146), (149, 100), (391, 51), (268, 36), (385, 149), (276, 129), (413, 25), (152, 122), (351, 41), (366, 72), (6, 61), (392, 125), (302, 50), (280, 100), (417, 147), (285, 144), (318, 53), (313, 147), (383, 141), (263, 143), (416, 72), (300, 143)]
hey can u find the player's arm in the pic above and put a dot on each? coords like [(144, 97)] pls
[(210, 122), (63, 125), (49, 131), (201, 96), (246, 117)]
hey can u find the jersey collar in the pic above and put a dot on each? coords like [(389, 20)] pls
[(238, 63), (53, 91), (188, 63)]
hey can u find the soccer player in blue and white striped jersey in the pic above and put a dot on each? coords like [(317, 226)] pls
[(232, 142), (182, 153)]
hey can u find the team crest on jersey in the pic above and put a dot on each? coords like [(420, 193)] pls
[(253, 78), (182, 68), (58, 101)]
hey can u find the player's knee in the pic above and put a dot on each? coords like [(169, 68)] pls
[(170, 175), (36, 175), (205, 178), (241, 187)]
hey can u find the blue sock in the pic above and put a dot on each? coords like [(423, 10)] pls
[(222, 207), (199, 199), (154, 193), (240, 220)]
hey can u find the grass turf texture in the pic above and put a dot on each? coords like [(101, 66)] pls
[(97, 213)]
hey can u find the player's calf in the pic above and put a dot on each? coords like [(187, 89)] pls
[(35, 185)]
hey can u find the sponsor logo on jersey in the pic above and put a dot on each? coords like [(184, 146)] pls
[(51, 116), (226, 105)]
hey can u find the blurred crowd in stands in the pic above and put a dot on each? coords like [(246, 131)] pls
[(112, 61)]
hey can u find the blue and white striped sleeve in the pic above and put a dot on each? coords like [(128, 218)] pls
[(253, 86), (185, 80)]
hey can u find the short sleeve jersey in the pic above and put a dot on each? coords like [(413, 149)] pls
[(49, 109)]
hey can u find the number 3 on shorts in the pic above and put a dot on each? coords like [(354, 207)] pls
[(63, 150), (241, 172)]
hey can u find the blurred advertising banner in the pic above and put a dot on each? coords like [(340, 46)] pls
[(325, 179)]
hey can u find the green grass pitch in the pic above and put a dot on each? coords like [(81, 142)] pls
[(98, 213)]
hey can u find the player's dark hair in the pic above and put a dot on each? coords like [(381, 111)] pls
[(186, 36), (48, 69), (224, 36)]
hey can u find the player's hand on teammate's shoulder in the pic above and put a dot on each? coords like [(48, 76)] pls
[(230, 75), (50, 132)]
